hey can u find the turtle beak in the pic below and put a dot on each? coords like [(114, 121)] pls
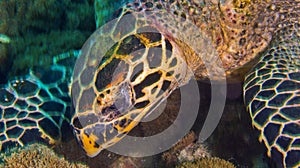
[(94, 138), (99, 129), (88, 140), (90, 145)]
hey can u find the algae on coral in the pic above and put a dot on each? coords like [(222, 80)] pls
[(36, 155), (213, 162), (40, 29)]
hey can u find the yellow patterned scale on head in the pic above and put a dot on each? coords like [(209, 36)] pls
[(88, 142)]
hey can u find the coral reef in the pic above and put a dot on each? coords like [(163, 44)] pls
[(213, 162), (132, 162), (39, 29), (193, 152), (185, 150), (20, 17), (73, 152), (35, 155)]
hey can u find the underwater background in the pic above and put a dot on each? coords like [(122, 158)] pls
[(40, 29)]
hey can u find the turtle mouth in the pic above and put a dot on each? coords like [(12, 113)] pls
[(99, 135), (110, 113), (105, 124)]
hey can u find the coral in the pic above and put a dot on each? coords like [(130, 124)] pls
[(213, 162), (39, 29), (193, 152), (35, 155), (185, 150), (133, 162), (19, 17), (73, 152)]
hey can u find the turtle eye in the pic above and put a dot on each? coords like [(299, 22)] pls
[(115, 103), (123, 100)]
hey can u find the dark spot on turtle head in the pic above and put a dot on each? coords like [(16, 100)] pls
[(101, 95), (129, 45), (166, 85), (174, 62), (148, 81), (122, 122), (243, 33), (99, 102), (149, 4), (183, 16), (154, 57), (96, 145), (169, 48), (242, 41), (159, 6), (138, 70), (76, 123), (141, 104), (105, 76)]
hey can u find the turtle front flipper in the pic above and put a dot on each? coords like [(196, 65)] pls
[(36, 107), (272, 96)]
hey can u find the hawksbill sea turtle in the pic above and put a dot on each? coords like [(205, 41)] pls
[(148, 61)]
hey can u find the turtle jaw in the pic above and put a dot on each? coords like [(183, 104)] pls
[(113, 115), (101, 135), (89, 145), (103, 125)]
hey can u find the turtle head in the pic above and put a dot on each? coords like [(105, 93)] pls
[(134, 76)]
